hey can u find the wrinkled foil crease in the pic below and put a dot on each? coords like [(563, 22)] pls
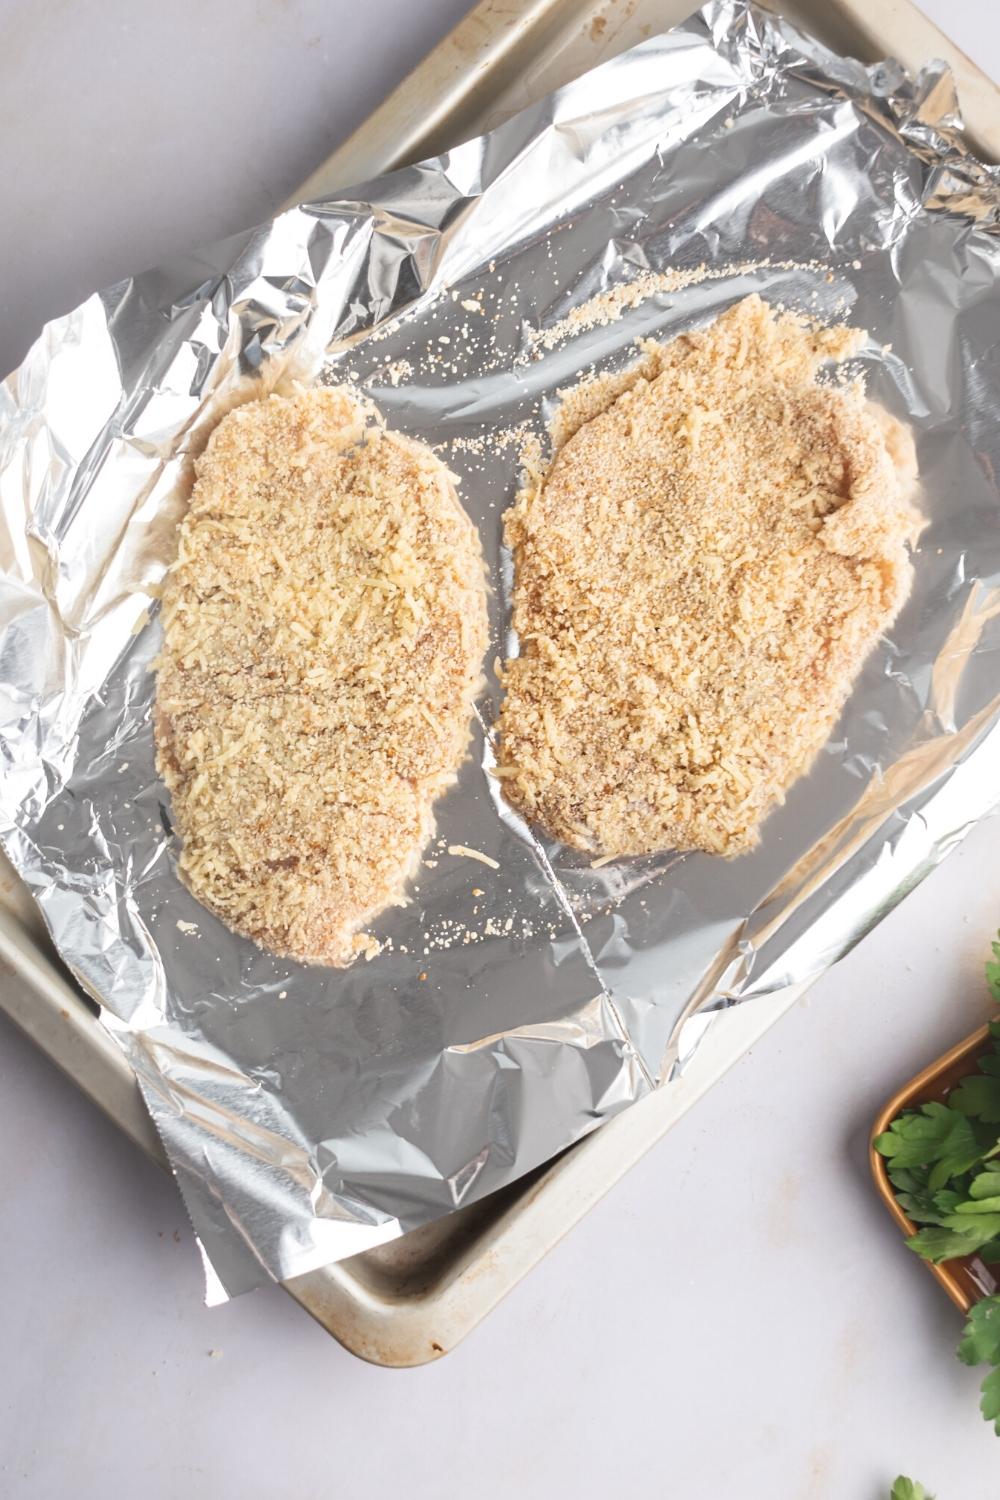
[(309, 1113)]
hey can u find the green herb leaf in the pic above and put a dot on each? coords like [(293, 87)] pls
[(940, 1173), (977, 1097), (936, 1135), (947, 1200), (935, 1243), (908, 1179), (916, 1198), (985, 1184), (981, 1335), (909, 1489), (917, 1210), (943, 1161), (945, 1243), (993, 971), (981, 1345), (990, 1403), (985, 1226)]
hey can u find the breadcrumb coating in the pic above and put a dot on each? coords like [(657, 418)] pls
[(324, 628), (716, 547)]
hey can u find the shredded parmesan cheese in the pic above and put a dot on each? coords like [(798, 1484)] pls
[(464, 853)]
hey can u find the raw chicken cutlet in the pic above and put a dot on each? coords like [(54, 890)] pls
[(718, 544), (324, 628)]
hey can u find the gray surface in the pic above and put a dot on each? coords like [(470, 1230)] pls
[(129, 131), (788, 1346)]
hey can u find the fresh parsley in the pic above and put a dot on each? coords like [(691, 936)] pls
[(908, 1489), (981, 1340), (978, 1098), (993, 972), (943, 1161), (937, 1136), (981, 1345)]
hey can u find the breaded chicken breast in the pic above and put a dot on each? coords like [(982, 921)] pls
[(715, 549), (324, 627)]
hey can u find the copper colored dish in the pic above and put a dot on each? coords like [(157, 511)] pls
[(967, 1280)]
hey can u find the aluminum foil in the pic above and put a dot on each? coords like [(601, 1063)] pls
[(311, 1113)]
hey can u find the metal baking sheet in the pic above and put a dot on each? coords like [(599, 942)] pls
[(515, 1231), (508, 53)]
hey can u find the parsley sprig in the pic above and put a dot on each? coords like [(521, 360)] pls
[(909, 1489), (944, 1165), (981, 1345)]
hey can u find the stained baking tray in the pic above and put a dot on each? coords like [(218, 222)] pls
[(414, 1299)]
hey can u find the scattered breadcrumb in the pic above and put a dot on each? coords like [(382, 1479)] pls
[(606, 307), (324, 628), (186, 926), (493, 441), (714, 550), (395, 372)]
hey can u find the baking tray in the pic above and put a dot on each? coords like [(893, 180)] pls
[(968, 1279), (412, 1300)]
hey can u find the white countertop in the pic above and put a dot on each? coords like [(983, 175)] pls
[(738, 1317)]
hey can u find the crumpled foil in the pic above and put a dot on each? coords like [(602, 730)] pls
[(311, 1113)]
